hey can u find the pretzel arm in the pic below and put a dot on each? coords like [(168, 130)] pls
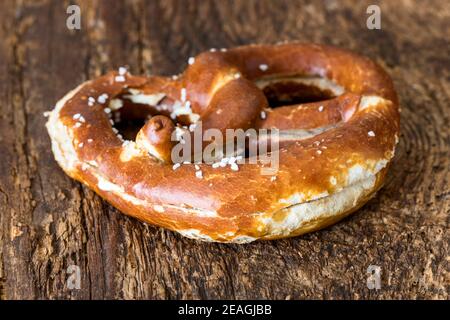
[(311, 115)]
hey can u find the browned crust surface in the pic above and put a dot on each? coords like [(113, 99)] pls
[(232, 203)]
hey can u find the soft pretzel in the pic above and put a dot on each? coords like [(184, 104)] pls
[(333, 154)]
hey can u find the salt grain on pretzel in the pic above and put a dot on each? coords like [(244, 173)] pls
[(358, 127)]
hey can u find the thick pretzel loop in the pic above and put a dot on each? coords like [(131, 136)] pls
[(338, 122)]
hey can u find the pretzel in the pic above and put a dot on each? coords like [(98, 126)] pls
[(333, 154)]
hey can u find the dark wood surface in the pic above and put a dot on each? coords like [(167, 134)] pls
[(48, 221)]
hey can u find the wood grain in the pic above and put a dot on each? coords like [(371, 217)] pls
[(49, 222)]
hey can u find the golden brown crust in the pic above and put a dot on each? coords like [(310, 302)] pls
[(320, 179)]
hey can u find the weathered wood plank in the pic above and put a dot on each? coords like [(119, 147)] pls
[(49, 222)]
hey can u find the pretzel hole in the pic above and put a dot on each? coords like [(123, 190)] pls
[(291, 93), (130, 117)]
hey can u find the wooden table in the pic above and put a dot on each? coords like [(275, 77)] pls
[(49, 222)]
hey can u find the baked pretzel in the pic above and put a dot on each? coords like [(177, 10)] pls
[(333, 154)]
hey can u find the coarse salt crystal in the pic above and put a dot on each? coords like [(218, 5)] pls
[(263, 115), (234, 167), (183, 94), (199, 174), (263, 67), (122, 71), (191, 60), (176, 166), (320, 108), (371, 133), (102, 98), (119, 78)]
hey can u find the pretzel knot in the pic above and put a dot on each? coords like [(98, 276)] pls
[(336, 114)]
